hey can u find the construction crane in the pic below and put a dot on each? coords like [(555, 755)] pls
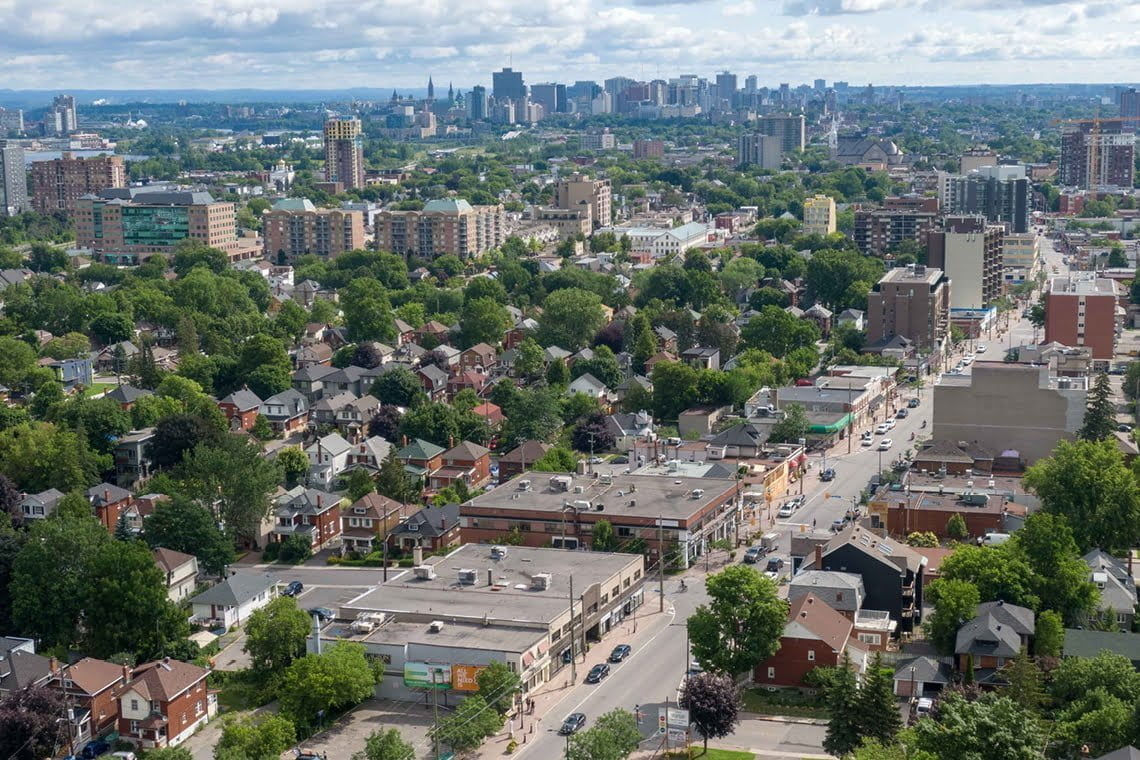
[(1091, 172)]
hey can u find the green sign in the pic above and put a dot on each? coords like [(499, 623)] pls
[(422, 675)]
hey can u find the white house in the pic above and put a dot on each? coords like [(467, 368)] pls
[(592, 387), (233, 600), (328, 458), (180, 571)]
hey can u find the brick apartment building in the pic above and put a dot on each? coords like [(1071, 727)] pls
[(1080, 310), (1103, 157), (913, 302), (443, 226), (295, 227), (577, 191), (57, 185), (878, 231)]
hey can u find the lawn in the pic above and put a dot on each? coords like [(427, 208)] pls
[(96, 388), (791, 703), (713, 754)]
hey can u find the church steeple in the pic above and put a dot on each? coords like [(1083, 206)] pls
[(431, 89), (450, 93)]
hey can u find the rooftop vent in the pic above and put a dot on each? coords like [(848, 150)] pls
[(424, 572)]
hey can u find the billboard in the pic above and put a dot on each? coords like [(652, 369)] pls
[(422, 675), (463, 677)]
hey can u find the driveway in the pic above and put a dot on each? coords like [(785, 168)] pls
[(349, 735)]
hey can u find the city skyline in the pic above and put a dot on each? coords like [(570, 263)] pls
[(256, 44)]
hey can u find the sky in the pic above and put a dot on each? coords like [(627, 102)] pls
[(276, 44)]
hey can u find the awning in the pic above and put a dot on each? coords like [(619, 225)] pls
[(831, 427)]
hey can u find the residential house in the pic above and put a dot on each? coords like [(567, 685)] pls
[(478, 358), (421, 458), (352, 418), (628, 428), (180, 571), (448, 355), (660, 356), (71, 373), (853, 318), (1082, 642), (309, 512), (350, 379), (405, 333), (163, 703), (434, 381), (234, 599), (20, 666), (310, 381), (433, 333), (842, 592), (892, 572), (109, 360), (313, 355), (666, 339), (37, 506), (521, 458), (369, 454), (523, 329), (1116, 586), (132, 457), (241, 409), (814, 636), (592, 387), (466, 380), (328, 458), (126, 396), (998, 632), (632, 380), (467, 462), (431, 528), (109, 501), (821, 316), (91, 687), (701, 357), (921, 676), (552, 354), (369, 521), (698, 421), (324, 411), (287, 412), (1124, 753), (741, 440)]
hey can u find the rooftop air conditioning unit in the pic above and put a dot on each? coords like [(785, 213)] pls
[(541, 581), (498, 552), (424, 572), (524, 485), (467, 577), (435, 626)]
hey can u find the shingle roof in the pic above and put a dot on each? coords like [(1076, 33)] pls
[(1083, 643), (243, 399), (824, 623), (93, 676), (420, 449), (165, 679), (467, 451), (927, 669), (127, 394), (237, 589), (1124, 753), (840, 591), (996, 631), (107, 493), (170, 560), (526, 452), (19, 669), (427, 521)]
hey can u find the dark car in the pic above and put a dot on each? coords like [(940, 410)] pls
[(827, 475), (597, 673), (621, 651), (775, 565), (573, 722), (293, 589), (901, 414), (322, 613), (913, 403), (95, 748), (753, 554)]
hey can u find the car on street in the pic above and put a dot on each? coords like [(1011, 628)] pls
[(867, 440), (596, 460), (1124, 427), (837, 525), (695, 668), (798, 501), (827, 474), (981, 349), (890, 423), (293, 589), (881, 428), (597, 673), (786, 511), (885, 444), (573, 722), (968, 359), (323, 613), (94, 749), (774, 566), (912, 404), (753, 554), (621, 651), (902, 414)]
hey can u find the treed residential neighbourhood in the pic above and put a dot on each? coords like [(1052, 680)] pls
[(787, 424)]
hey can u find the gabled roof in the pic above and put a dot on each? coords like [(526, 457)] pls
[(810, 617), (885, 550), (237, 589), (1117, 589), (926, 669), (20, 668), (527, 452), (293, 400), (466, 451), (335, 402), (588, 381), (431, 521), (996, 631), (92, 676), (1020, 619), (1085, 643), (740, 435), (434, 374), (332, 444), (47, 499), (664, 333), (841, 591), (480, 348), (1124, 753), (314, 372), (169, 560), (420, 449), (162, 680), (127, 394), (375, 505), (306, 501), (106, 493), (554, 353), (243, 400)]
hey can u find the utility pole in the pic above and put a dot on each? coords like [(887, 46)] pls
[(573, 639), (660, 564), (435, 715)]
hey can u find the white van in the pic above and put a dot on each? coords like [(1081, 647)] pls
[(993, 539), (923, 707)]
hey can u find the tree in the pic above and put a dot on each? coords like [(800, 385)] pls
[(295, 549), (1110, 672), (275, 635), (533, 415), (367, 311), (528, 359), (843, 708), (498, 686), (386, 423), (294, 464), (998, 572), (233, 475), (557, 374), (778, 332), (358, 483), (742, 623), (393, 480), (922, 538), (30, 728), (38, 456), (169, 753), (178, 434), (254, 738), (603, 538), (398, 387), (713, 702), (47, 258), (183, 526), (1049, 635), (613, 736), (190, 253), (570, 318), (956, 527), (472, 721), (674, 388), (559, 459), (386, 745), (831, 275), (112, 327), (1088, 483), (318, 683), (992, 727), (955, 602), (792, 427), (1024, 679), (592, 434), (877, 703), (10, 498), (1060, 577), (126, 607), (482, 320), (1100, 414)]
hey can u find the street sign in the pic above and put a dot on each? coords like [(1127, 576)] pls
[(678, 736), (678, 718)]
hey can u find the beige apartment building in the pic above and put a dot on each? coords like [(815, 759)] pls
[(913, 302), (969, 250), (344, 152), (443, 226), (577, 190), (57, 185), (819, 215), (570, 222), (295, 227)]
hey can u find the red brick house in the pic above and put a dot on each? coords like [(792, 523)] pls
[(405, 333), (814, 636), (434, 381), (421, 458), (241, 409), (995, 636), (480, 358), (463, 380), (163, 703), (308, 512), (492, 414), (126, 396), (91, 687), (522, 330), (468, 462), (369, 521), (432, 333), (109, 502)]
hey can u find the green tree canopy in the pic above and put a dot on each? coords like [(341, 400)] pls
[(275, 634), (183, 526), (337, 678), (742, 623)]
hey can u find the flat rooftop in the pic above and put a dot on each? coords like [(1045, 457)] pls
[(500, 590), (458, 635), (1082, 286), (928, 275), (666, 496)]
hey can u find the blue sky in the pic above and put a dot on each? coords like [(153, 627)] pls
[(385, 43)]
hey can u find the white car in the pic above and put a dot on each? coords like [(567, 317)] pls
[(882, 428), (868, 441), (885, 444), (981, 349), (968, 359), (786, 511), (890, 423)]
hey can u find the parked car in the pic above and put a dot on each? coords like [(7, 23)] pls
[(293, 589), (126, 755), (621, 651), (1124, 427), (902, 414), (597, 673), (981, 349), (753, 554), (923, 707), (786, 511), (827, 474), (323, 613), (573, 722), (881, 428), (868, 440), (885, 444), (912, 403), (95, 748), (798, 501), (838, 525), (775, 565)]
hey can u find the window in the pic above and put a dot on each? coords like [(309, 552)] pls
[(134, 705), (771, 673), (624, 532), (870, 638), (616, 590), (636, 575), (198, 707), (134, 727), (811, 655)]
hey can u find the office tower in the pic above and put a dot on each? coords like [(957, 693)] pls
[(584, 89), (11, 120), (443, 226), (295, 227), (1096, 154), (751, 84), (603, 140), (477, 105), (968, 250), (999, 193), (785, 93), (648, 149), (878, 232), (726, 87), (13, 179), (1129, 102), (820, 85), (551, 96), (819, 215), (58, 184), (344, 152), (1080, 310), (755, 149), (577, 190), (128, 225), (789, 128), (912, 302), (63, 116), (507, 85), (617, 85)]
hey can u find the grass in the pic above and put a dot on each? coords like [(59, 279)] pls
[(790, 703), (713, 754), (237, 690), (96, 388)]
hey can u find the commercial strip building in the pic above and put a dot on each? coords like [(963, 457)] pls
[(436, 625), (57, 185), (443, 226), (295, 227), (677, 515), (1083, 310), (127, 225), (913, 302), (969, 251)]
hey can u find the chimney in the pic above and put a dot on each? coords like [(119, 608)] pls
[(106, 495), (417, 555), (818, 557), (53, 665), (490, 577), (319, 500), (126, 673)]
